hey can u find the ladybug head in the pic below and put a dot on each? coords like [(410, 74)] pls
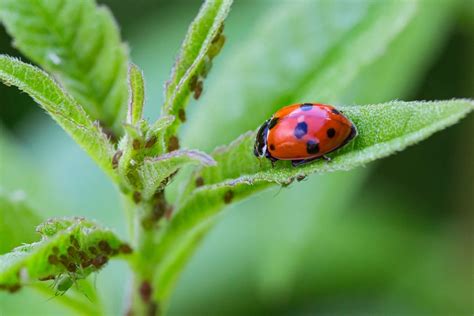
[(260, 147)]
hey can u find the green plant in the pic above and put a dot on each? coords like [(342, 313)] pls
[(88, 98)]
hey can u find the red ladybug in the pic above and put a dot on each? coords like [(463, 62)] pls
[(303, 132)]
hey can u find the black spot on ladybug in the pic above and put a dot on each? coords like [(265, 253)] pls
[(272, 147), (306, 107), (272, 122), (300, 130), (228, 196), (331, 132), (312, 147), (335, 111)]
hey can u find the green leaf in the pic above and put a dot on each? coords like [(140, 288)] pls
[(62, 108), (17, 221), (73, 246), (202, 43), (137, 94), (79, 43), (304, 51), (154, 172), (383, 130)]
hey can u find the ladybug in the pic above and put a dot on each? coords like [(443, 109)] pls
[(303, 132)]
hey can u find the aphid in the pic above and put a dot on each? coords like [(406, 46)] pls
[(173, 143), (303, 132), (182, 115), (145, 291), (228, 196), (99, 261), (198, 90), (137, 197), (116, 159), (125, 249), (63, 283), (136, 144), (74, 242), (104, 246), (150, 142), (199, 182), (52, 259)]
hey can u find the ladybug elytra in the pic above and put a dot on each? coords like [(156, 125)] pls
[(303, 132)]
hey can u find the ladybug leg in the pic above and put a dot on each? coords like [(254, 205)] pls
[(272, 160), (328, 159), (296, 163)]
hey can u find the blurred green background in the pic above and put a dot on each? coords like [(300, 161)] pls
[(394, 238)]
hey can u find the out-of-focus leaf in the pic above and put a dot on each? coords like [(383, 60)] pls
[(137, 94), (73, 246), (154, 171), (17, 221), (62, 108), (169, 269), (78, 42), (202, 43)]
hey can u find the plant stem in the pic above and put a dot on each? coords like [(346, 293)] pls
[(144, 216)]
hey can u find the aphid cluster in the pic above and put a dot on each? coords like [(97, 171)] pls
[(196, 82), (160, 209), (80, 262)]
